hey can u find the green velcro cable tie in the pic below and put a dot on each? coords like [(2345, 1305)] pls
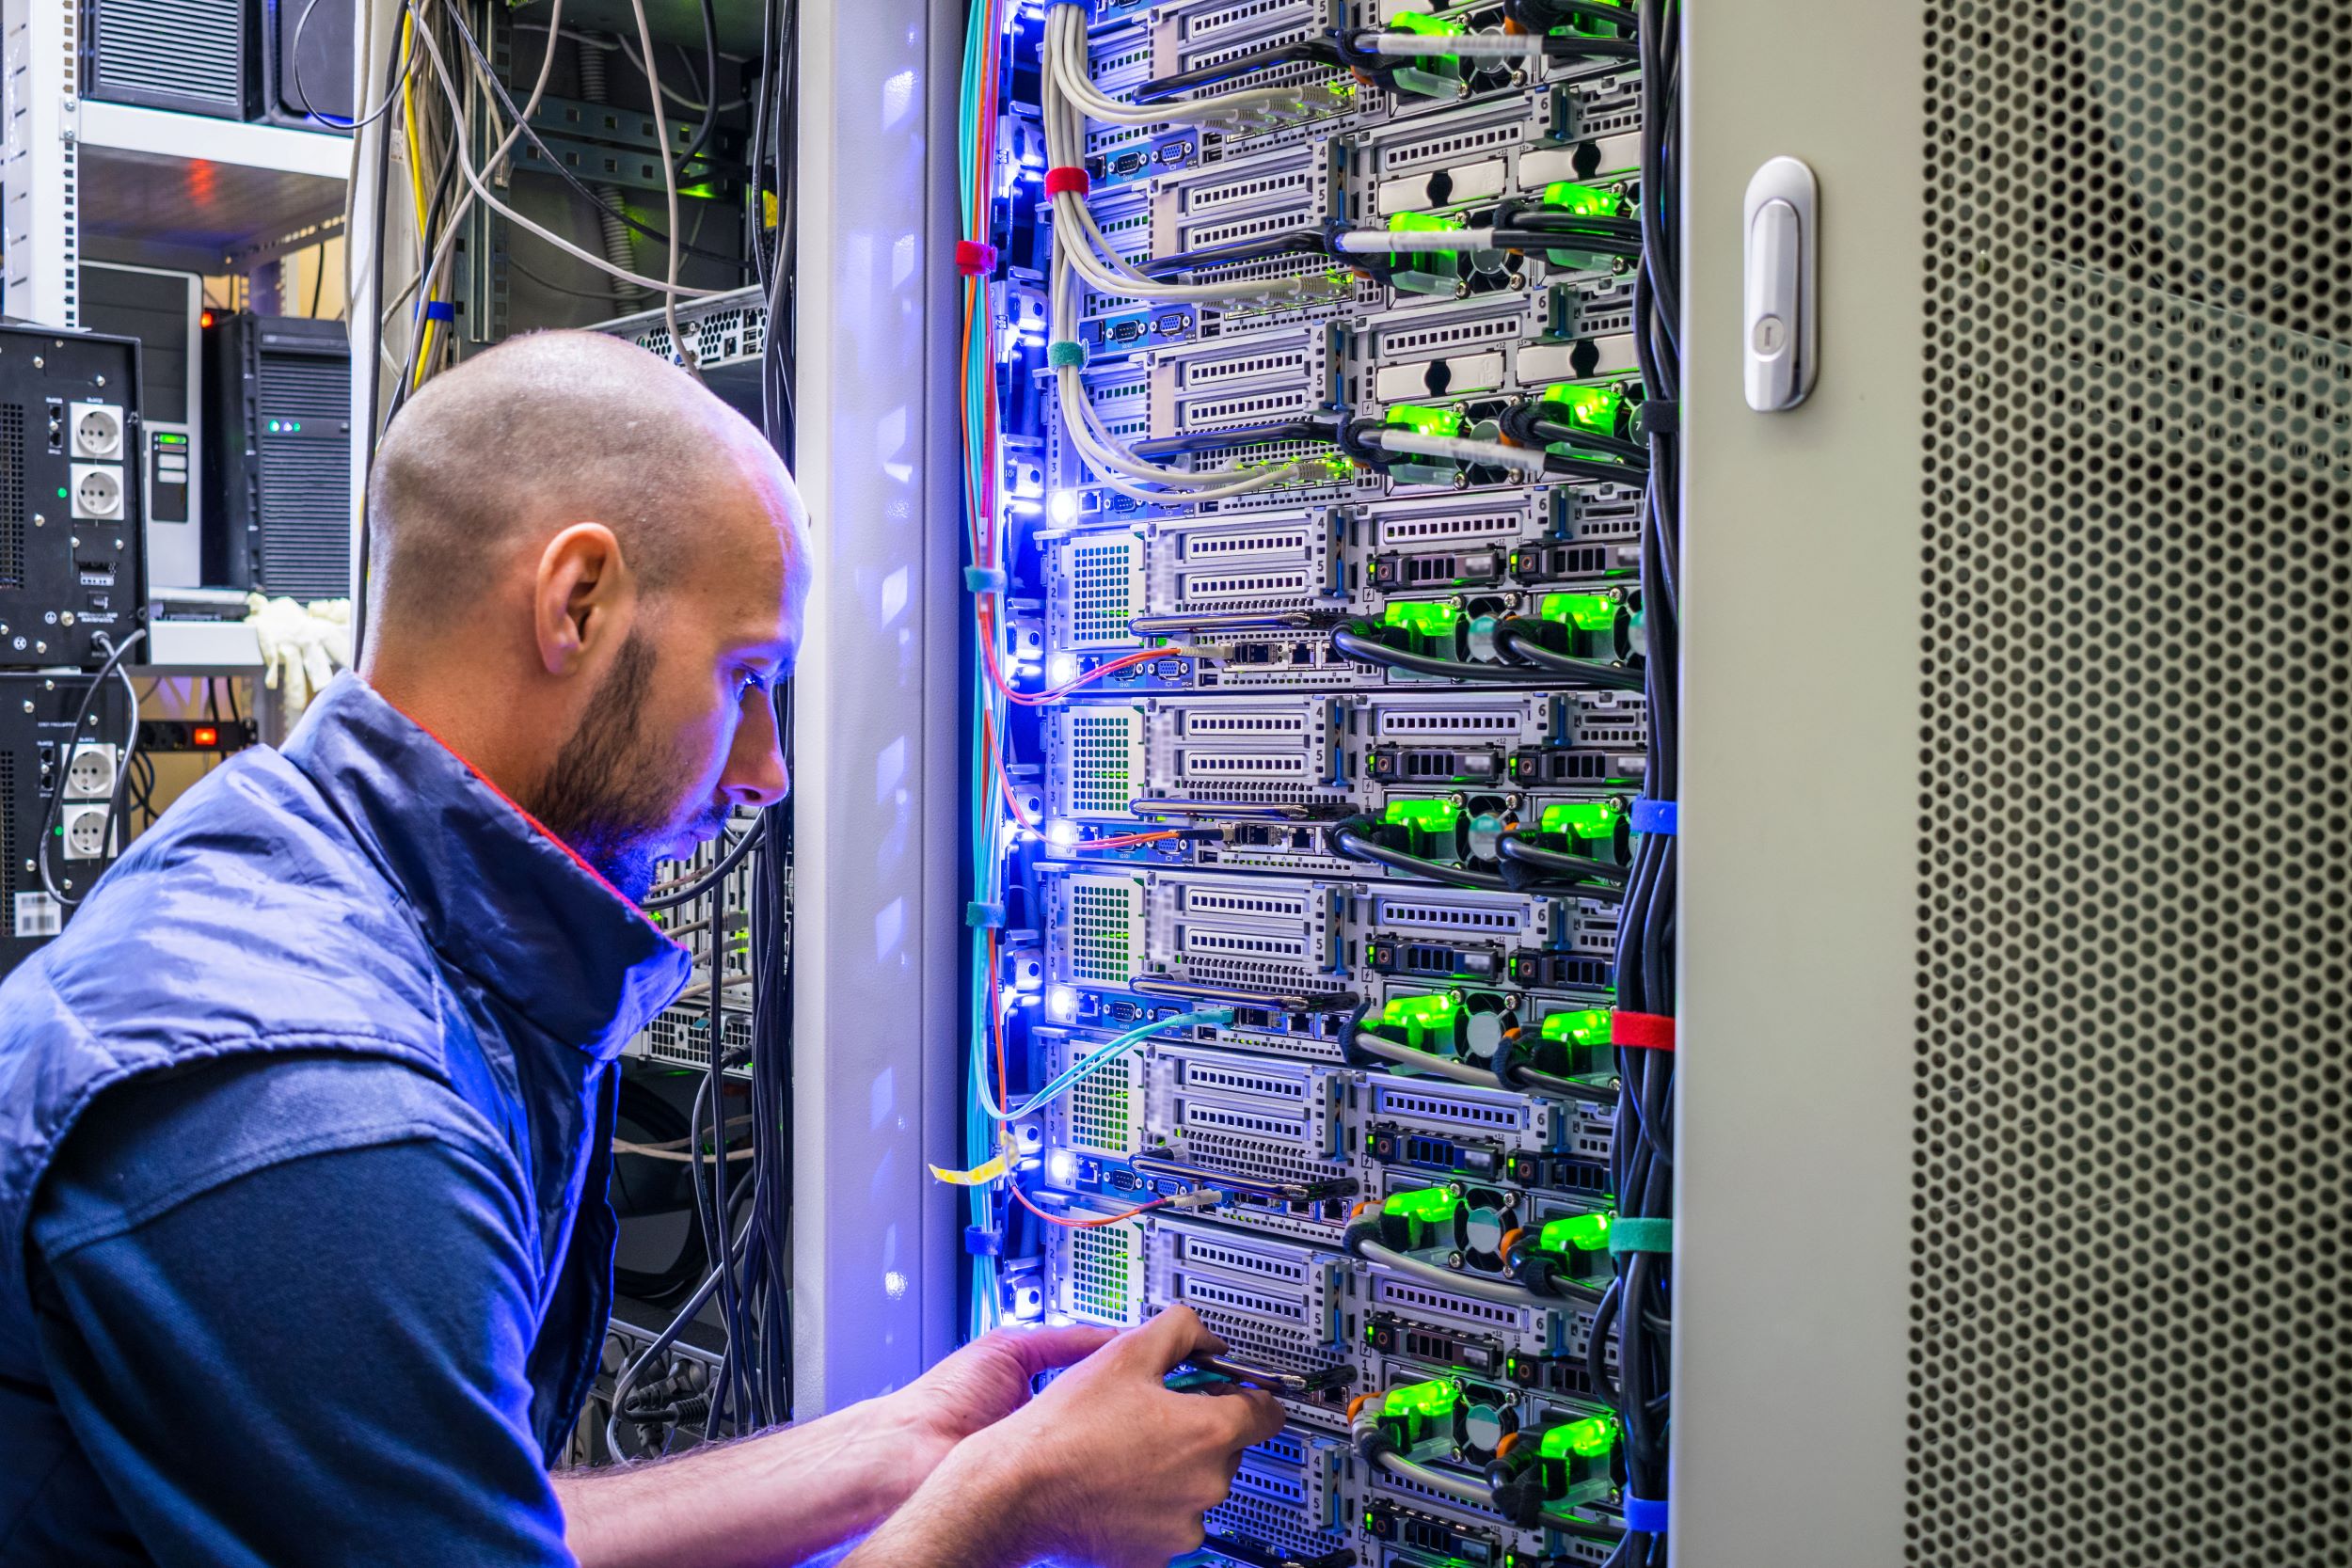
[(1629, 1235), (985, 580), (1063, 352), (984, 917)]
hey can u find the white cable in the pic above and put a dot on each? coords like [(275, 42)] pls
[(1442, 1066), (1527, 460), (609, 46), (1469, 1491), (1476, 1286), (455, 221), (1478, 47), (669, 185), (1070, 43), (440, 72), (1378, 242)]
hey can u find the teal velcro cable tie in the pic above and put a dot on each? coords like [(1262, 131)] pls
[(985, 580), (1638, 1235), (1062, 351), (984, 917)]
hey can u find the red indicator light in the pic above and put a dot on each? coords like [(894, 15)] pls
[(204, 319), (205, 735)]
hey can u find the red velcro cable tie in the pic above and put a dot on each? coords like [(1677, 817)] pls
[(975, 260), (1067, 178), (1642, 1031)]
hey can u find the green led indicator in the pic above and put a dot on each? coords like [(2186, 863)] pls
[(1430, 1400), (1584, 612), (1426, 1020), (1428, 617), (1575, 1233), (1593, 408), (1581, 1026), (1423, 421), (61, 492), (1430, 1206), (1590, 1438), (1591, 819), (1583, 201), (1430, 816)]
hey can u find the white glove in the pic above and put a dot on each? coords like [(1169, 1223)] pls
[(301, 647)]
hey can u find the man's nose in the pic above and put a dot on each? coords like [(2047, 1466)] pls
[(755, 775)]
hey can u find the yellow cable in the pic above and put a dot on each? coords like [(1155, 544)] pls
[(416, 180)]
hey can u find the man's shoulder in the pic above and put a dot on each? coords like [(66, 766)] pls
[(249, 913)]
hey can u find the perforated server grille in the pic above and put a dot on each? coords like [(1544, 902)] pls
[(11, 495), (2133, 1043)]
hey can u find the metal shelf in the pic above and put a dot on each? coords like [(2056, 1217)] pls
[(188, 190)]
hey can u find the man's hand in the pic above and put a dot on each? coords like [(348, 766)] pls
[(1106, 1466), (982, 1383)]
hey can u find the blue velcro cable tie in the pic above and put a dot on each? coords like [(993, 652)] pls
[(980, 1242), (985, 580), (1062, 351), (984, 917), (1646, 1515), (439, 311), (1655, 816)]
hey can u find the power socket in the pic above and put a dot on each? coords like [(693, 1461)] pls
[(90, 776), (97, 492), (97, 431), (85, 830)]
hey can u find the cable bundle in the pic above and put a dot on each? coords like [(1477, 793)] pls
[(1635, 1310)]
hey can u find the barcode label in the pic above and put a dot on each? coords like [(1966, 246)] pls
[(38, 915)]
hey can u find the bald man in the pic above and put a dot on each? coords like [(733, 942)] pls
[(305, 1120)]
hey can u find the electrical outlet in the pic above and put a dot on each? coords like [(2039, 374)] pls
[(98, 431), (85, 833), (97, 492), (90, 776)]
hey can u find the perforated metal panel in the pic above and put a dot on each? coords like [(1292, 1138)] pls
[(2129, 1336)]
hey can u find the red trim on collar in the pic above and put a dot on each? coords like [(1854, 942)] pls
[(539, 827)]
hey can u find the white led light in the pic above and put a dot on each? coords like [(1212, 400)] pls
[(1061, 1168), (1061, 669), (1061, 834), (1062, 507), (1061, 1005)]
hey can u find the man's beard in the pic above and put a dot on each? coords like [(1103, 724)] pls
[(612, 795)]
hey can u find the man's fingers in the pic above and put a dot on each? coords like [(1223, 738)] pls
[(1048, 1346), (1174, 1335), (1265, 1417)]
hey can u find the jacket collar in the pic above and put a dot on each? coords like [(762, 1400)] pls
[(497, 895)]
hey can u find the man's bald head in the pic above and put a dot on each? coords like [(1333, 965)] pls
[(518, 443), (588, 580)]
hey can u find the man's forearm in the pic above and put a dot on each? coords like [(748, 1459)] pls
[(780, 1497)]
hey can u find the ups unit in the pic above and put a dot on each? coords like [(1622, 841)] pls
[(198, 57), (73, 562), (41, 757), (278, 463), (165, 311)]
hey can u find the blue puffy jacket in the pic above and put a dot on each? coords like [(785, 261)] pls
[(360, 893)]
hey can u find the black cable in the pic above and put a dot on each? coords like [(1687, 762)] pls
[(745, 842), (1517, 643), (1367, 650), (1560, 862), (1350, 845)]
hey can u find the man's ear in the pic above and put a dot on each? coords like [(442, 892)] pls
[(583, 598)]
